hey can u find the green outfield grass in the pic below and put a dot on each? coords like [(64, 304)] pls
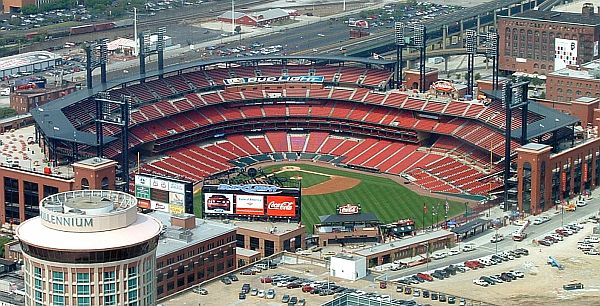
[(308, 179), (389, 200)]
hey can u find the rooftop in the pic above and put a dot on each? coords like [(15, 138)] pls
[(587, 71), (19, 60), (245, 252), (362, 217), (274, 228), (95, 161), (402, 243), (348, 256), (535, 146), (175, 238), (562, 17)]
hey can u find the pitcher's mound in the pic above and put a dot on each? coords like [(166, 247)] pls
[(334, 184)]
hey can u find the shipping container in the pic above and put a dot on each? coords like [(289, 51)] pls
[(82, 29)]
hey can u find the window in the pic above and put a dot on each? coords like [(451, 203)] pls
[(50, 190), (109, 276), (109, 288), (132, 283), (37, 272), (31, 199), (83, 301), (109, 300), (38, 284), (58, 300), (57, 276), (132, 295), (11, 199), (58, 288), (132, 271), (83, 278), (104, 183), (83, 289), (85, 184)]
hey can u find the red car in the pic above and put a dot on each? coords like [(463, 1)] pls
[(425, 276), (307, 289), (266, 280), (218, 201), (473, 264)]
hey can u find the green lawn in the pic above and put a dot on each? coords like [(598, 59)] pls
[(389, 200)]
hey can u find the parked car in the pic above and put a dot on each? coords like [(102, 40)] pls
[(242, 296), (573, 286), (545, 242), (285, 298), (270, 294), (480, 282), (226, 280), (201, 291), (497, 238), (261, 293), (246, 288), (254, 292), (425, 276)]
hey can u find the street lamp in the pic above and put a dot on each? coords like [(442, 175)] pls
[(471, 45)]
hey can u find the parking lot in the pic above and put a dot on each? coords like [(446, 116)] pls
[(542, 283)]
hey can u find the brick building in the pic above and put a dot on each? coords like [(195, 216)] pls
[(23, 189), (574, 82), (23, 101), (269, 238), (546, 178), (529, 41), (191, 251)]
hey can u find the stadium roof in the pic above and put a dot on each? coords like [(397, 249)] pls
[(362, 217), (403, 243), (552, 119), (469, 226), (53, 122)]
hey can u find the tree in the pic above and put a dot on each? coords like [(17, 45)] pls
[(29, 9), (477, 76), (6, 112)]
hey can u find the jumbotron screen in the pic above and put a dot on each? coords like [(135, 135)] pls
[(251, 200), (163, 194)]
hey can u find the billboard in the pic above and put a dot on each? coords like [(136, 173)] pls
[(218, 203), (254, 201), (281, 206), (249, 205), (275, 79), (565, 53), (163, 194)]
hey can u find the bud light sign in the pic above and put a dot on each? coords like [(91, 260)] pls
[(281, 206)]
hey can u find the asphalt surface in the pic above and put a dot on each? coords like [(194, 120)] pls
[(488, 248)]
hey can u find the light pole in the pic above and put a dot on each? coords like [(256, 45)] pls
[(496, 238), (399, 31)]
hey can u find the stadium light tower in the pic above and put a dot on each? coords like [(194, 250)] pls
[(491, 45), (400, 44), (145, 49), (96, 56), (471, 45), (420, 42)]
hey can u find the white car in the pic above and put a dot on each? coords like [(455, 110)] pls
[(581, 203), (557, 237), (538, 221), (480, 282), (497, 238), (518, 274), (261, 293), (453, 252), (592, 252), (441, 255), (469, 247), (270, 294)]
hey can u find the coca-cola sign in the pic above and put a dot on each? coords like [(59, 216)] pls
[(281, 206), (348, 209)]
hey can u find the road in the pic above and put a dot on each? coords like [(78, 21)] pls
[(485, 247)]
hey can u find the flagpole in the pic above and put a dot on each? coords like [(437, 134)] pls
[(423, 216)]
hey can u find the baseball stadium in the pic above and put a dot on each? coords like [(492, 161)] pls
[(335, 123)]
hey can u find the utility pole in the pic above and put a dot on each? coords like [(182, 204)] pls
[(135, 36), (232, 17)]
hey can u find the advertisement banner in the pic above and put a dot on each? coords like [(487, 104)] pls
[(177, 187), (160, 184), (145, 204), (565, 53), (249, 205), (142, 192), (176, 209), (141, 180), (176, 199), (218, 203), (159, 206), (281, 206), (563, 181), (275, 79), (585, 171)]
